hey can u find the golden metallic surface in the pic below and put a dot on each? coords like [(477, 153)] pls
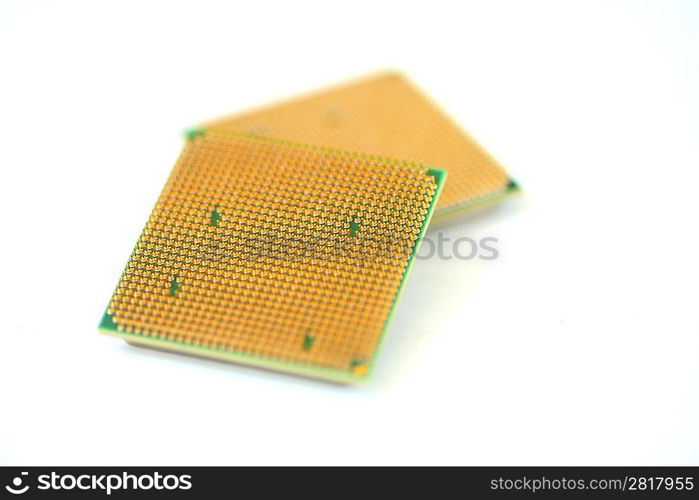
[(275, 251), (385, 116)]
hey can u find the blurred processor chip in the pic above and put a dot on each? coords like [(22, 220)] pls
[(387, 116)]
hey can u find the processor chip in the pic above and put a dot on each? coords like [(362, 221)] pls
[(385, 116), (275, 254)]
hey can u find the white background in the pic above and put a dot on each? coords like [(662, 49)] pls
[(577, 346)]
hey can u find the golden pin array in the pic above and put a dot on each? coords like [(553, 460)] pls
[(250, 249)]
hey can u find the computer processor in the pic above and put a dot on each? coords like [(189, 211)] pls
[(275, 254), (385, 115)]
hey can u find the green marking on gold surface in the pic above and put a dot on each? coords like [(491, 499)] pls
[(354, 226), (193, 133), (174, 287), (215, 217), (307, 342), (108, 322)]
